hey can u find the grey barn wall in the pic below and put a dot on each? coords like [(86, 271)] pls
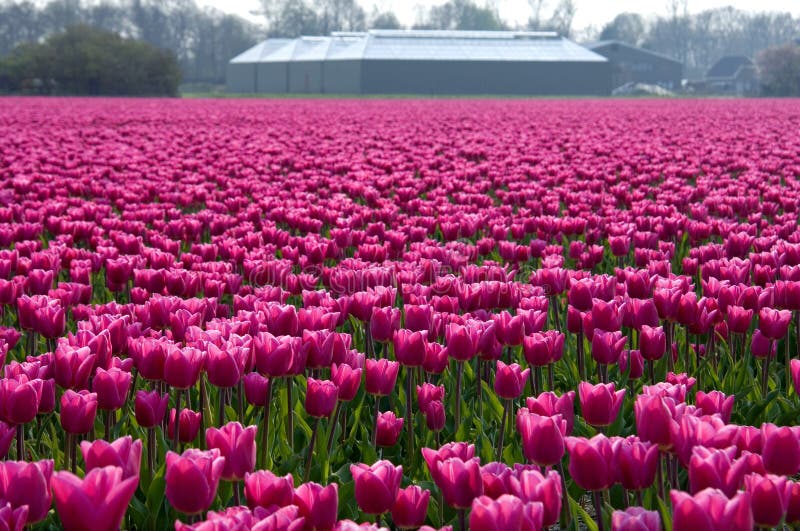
[(486, 77), (342, 77), (305, 77), (630, 64), (240, 77), (272, 77)]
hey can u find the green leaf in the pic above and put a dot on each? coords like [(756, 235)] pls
[(578, 509), (666, 514), (155, 493)]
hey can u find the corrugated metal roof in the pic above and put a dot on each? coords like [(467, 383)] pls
[(422, 45), (602, 44), (260, 50)]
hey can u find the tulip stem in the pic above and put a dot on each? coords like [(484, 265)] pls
[(290, 413), (176, 423), (459, 377), (203, 397), (566, 507), (409, 422), (581, 360), (788, 371), (374, 436), (237, 497), (598, 509), (240, 398), (334, 421), (550, 378), (221, 407), (265, 427), (67, 450), (765, 373), (311, 445), (108, 425), (151, 451), (73, 457), (20, 442), (462, 519), (501, 435)]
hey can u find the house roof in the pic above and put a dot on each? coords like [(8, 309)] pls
[(728, 66), (423, 45), (598, 45)]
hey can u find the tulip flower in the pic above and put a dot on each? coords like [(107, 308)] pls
[(607, 346), (600, 404), (781, 450), (27, 484), (542, 437), (13, 519), (548, 404), (510, 380), (710, 510), (532, 486), (381, 376), (384, 322), (103, 496), (635, 462), (182, 367), (434, 416), (7, 433), (376, 486), (78, 411), (237, 445), (321, 398), (409, 347), (264, 489), (459, 480), (774, 324), (715, 402), (224, 366), (73, 366), (19, 399), (503, 513), (255, 389), (410, 507), (769, 498), (591, 462), (124, 453), (389, 428), (188, 425), (192, 478), (635, 519), (319, 505)]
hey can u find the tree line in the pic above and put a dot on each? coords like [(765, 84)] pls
[(203, 40)]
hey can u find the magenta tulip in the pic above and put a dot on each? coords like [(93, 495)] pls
[(102, 496), (192, 479), (237, 445)]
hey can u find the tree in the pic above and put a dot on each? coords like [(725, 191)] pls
[(462, 15), (535, 21), (562, 18), (85, 60), (626, 27), (385, 20), (779, 70)]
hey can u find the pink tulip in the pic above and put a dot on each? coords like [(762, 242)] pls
[(600, 404), (321, 396), (510, 380), (389, 428), (124, 453), (264, 489), (192, 479), (410, 507), (78, 411), (103, 496), (319, 505), (27, 484), (150, 408), (237, 445), (635, 519), (376, 486), (591, 462)]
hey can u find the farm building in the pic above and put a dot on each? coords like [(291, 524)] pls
[(631, 64), (421, 62)]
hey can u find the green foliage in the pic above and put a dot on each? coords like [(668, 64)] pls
[(86, 61)]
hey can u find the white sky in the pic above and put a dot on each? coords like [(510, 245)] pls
[(589, 12)]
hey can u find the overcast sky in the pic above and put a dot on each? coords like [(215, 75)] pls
[(589, 12)]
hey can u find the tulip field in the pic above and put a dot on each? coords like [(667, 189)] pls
[(399, 314)]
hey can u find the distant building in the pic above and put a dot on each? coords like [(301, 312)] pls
[(733, 75), (631, 64), (421, 62)]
